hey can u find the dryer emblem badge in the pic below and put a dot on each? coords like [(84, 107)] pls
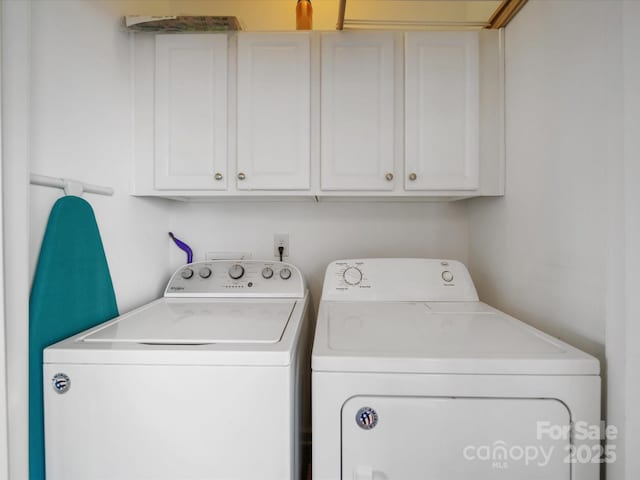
[(61, 383), (367, 418)]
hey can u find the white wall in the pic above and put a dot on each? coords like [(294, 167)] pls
[(322, 232), (540, 251), (623, 329), (560, 249), (82, 128), (4, 421), (15, 157), (631, 58)]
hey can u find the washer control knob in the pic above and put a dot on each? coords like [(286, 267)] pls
[(447, 276), (285, 273), (267, 272), (236, 271), (204, 272), (187, 273), (352, 276)]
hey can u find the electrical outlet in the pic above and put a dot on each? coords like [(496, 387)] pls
[(281, 240)]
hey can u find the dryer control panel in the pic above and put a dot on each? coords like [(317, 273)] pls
[(398, 279), (233, 279)]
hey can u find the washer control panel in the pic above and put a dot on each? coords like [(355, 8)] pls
[(398, 279), (227, 278)]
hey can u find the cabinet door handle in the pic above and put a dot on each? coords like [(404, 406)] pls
[(218, 176), (389, 176), (412, 176), (241, 176)]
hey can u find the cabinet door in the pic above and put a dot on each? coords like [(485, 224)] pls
[(441, 111), (191, 112), (357, 111), (273, 111)]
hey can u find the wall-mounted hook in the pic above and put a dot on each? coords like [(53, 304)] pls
[(71, 187)]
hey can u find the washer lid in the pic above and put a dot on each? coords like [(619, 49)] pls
[(196, 323), (438, 337)]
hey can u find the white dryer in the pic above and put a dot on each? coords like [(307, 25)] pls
[(414, 378), (204, 383)]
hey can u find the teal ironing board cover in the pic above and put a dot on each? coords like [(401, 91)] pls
[(71, 291)]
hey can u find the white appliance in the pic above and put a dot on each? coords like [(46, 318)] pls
[(205, 383), (414, 378)]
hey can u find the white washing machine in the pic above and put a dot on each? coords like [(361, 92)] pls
[(205, 383), (414, 378)]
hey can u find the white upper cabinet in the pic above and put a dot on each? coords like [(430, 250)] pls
[(357, 111), (273, 137), (328, 114), (191, 112), (441, 111)]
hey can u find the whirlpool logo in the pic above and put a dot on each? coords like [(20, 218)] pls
[(367, 418), (61, 383)]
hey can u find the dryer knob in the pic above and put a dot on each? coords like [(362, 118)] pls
[(285, 274), (447, 276), (352, 276), (187, 273)]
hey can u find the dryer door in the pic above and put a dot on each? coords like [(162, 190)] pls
[(444, 438)]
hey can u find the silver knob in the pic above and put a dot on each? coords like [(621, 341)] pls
[(267, 272), (241, 176), (285, 274), (204, 272), (389, 176), (218, 176), (412, 176), (447, 276), (236, 271), (187, 273)]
